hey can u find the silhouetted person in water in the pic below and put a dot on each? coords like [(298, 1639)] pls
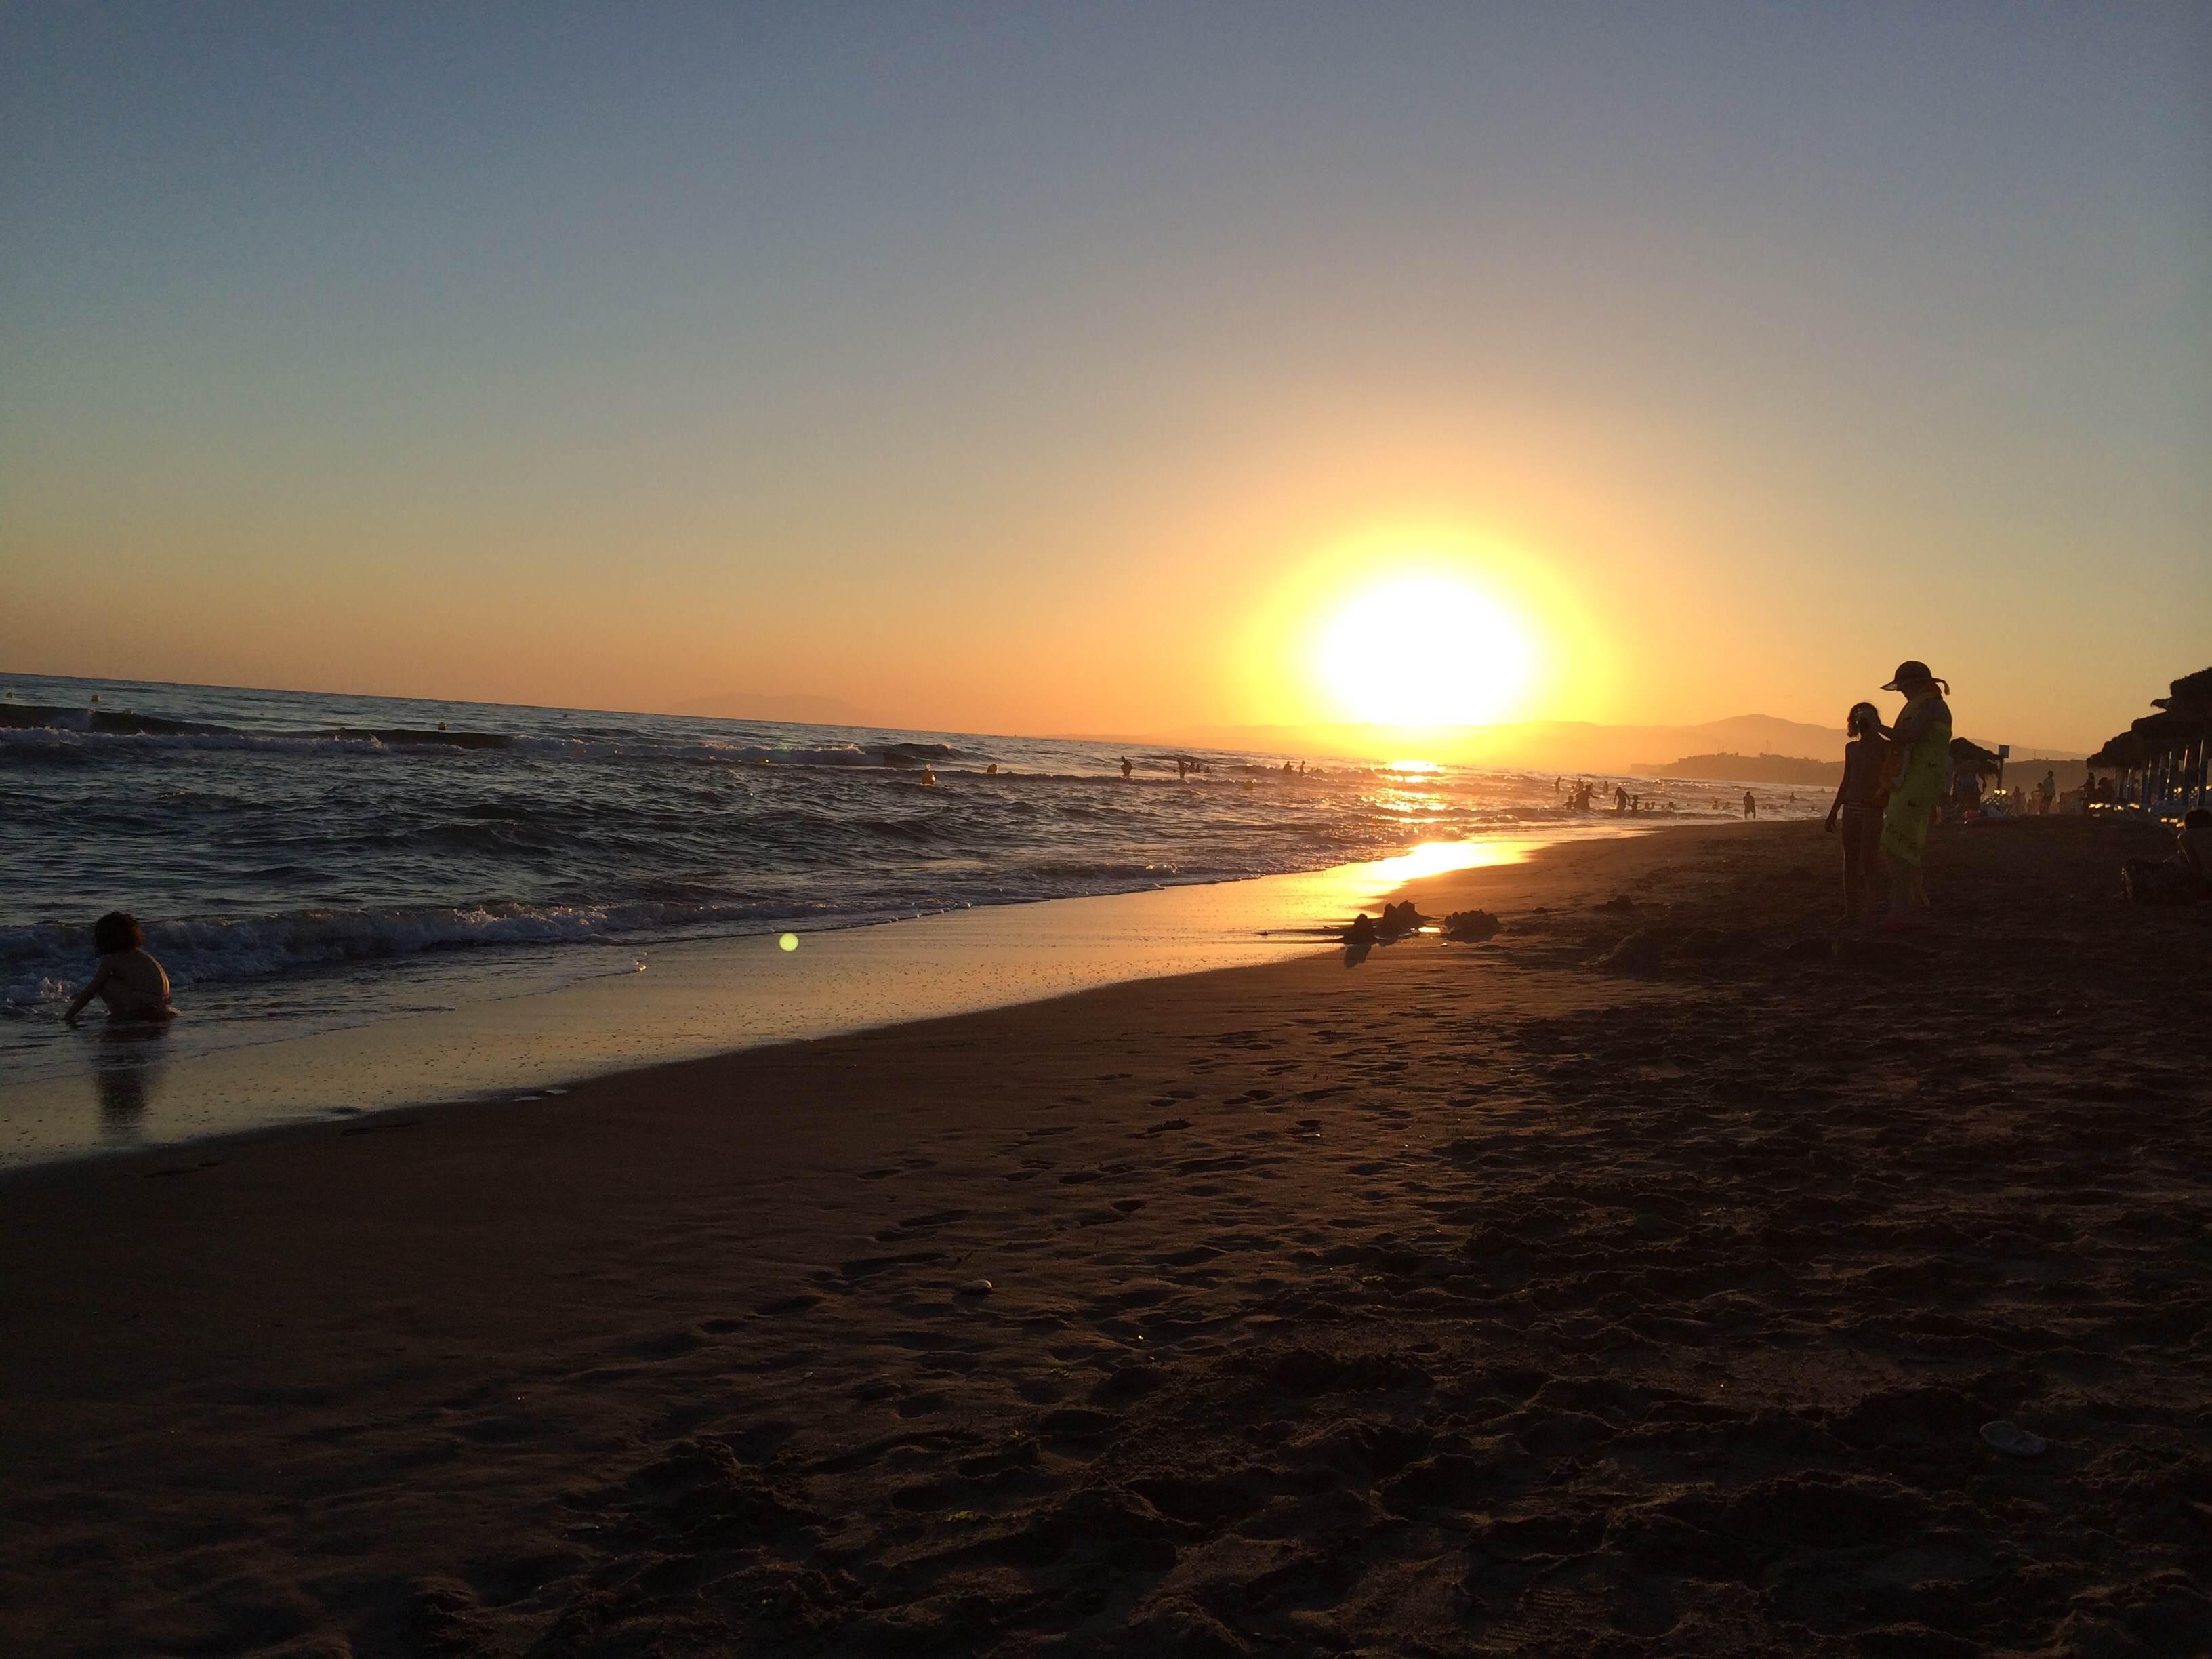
[(130, 983), (1182, 768), (1126, 767), (1750, 805), (1857, 807), (1620, 798)]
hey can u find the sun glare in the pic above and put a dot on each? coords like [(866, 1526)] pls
[(1423, 648)]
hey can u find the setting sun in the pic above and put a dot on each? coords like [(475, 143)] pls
[(1423, 648)]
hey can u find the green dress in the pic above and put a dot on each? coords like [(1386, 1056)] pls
[(1922, 737)]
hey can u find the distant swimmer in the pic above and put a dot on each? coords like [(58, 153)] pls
[(1126, 767), (928, 777), (1182, 768), (992, 770), (1620, 798)]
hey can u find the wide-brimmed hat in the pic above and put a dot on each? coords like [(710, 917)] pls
[(1908, 673)]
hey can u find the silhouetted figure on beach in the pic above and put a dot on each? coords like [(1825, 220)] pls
[(1857, 808), (129, 982), (1966, 793), (2192, 847), (1920, 747), (1750, 804)]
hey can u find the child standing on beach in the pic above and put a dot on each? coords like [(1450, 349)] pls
[(1858, 803), (130, 983)]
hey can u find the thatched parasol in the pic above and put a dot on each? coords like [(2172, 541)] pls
[(1969, 757), (2190, 694), (2119, 753)]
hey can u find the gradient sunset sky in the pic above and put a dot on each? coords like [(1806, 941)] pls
[(1063, 367)]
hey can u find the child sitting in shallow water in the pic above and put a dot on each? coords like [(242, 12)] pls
[(130, 983)]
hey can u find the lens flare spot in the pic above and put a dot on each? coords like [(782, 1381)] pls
[(788, 942)]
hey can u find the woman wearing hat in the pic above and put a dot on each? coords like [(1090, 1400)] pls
[(1920, 743)]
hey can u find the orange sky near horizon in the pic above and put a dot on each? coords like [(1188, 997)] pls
[(1068, 374)]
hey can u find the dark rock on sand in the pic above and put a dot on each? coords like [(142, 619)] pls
[(1644, 951), (1470, 927)]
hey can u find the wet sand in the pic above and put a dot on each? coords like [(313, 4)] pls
[(1635, 1283), (105, 1089)]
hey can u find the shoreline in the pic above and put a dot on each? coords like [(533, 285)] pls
[(1505, 1297), (700, 998)]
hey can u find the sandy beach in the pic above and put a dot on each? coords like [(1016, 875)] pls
[(1637, 1283)]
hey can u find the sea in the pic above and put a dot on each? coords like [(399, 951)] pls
[(304, 861)]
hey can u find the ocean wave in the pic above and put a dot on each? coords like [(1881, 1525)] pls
[(914, 830), (44, 961), (128, 723), (35, 743), (65, 734)]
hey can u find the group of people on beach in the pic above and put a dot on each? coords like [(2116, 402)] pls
[(1892, 785)]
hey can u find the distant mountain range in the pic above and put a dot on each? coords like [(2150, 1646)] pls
[(1534, 745), (1776, 751), (1552, 745), (1745, 768)]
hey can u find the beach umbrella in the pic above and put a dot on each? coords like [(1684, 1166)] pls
[(1970, 757), (2190, 694)]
